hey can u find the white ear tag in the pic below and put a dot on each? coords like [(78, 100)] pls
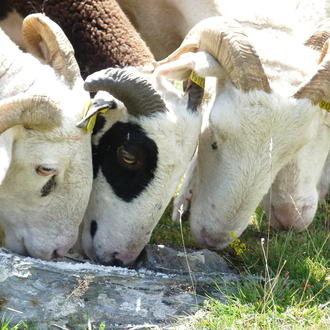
[(6, 143)]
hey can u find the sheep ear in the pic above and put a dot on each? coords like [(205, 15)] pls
[(204, 65), (6, 144)]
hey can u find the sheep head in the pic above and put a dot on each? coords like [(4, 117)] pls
[(252, 132), (141, 148), (46, 173)]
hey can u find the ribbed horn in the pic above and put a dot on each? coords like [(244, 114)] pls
[(320, 36), (223, 39), (318, 88), (60, 54), (128, 86), (30, 111)]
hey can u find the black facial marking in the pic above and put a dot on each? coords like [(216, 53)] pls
[(214, 146), (127, 180), (96, 164), (48, 187), (93, 228)]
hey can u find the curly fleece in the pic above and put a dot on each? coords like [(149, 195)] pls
[(99, 31)]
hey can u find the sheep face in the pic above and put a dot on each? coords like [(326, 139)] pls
[(250, 137), (292, 200), (45, 170), (138, 162), (45, 190)]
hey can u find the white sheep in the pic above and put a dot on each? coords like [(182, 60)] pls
[(45, 165), (253, 132)]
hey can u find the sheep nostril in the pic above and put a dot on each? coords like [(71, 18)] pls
[(93, 228), (117, 263), (57, 254), (114, 261)]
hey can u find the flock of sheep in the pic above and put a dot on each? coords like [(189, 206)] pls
[(98, 174)]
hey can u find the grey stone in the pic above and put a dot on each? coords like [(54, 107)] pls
[(168, 260), (71, 294)]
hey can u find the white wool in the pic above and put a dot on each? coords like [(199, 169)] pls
[(257, 134)]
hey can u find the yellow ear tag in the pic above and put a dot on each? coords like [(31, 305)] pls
[(325, 105), (91, 123), (92, 120), (197, 80)]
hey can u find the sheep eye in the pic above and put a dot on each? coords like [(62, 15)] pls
[(45, 171), (126, 156)]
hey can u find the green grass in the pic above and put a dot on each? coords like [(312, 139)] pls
[(295, 290), (6, 324)]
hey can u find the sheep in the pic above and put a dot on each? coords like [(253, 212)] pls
[(253, 132), (45, 168), (99, 31), (141, 149)]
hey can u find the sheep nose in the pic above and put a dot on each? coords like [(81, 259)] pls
[(292, 217), (58, 253), (213, 241), (112, 261)]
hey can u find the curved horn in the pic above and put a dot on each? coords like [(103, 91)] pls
[(223, 39), (128, 86), (29, 111), (318, 88), (60, 54), (319, 37)]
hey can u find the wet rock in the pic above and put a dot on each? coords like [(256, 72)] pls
[(73, 294), (168, 260)]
